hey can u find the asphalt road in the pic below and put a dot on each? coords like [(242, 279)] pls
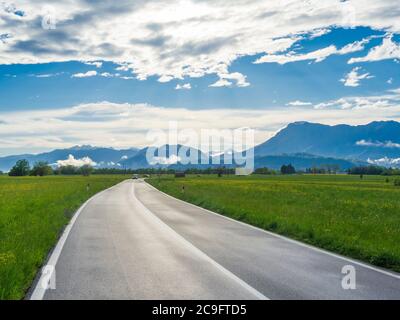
[(134, 242)]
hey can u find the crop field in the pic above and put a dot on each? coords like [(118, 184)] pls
[(33, 212), (356, 217)]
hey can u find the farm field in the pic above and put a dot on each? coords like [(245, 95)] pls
[(355, 217), (33, 212)]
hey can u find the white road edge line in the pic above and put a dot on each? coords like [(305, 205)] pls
[(41, 288), (198, 252), (361, 264)]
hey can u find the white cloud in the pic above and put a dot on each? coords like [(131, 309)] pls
[(395, 91), (370, 103), (173, 159), (316, 56), (390, 144), (386, 144), (221, 83), (47, 75), (387, 50), (298, 103), (71, 161), (186, 86), (354, 46), (225, 80), (85, 75), (126, 125), (94, 73), (115, 75), (318, 33), (185, 38), (353, 78), (241, 80), (165, 78), (385, 162), (97, 64)]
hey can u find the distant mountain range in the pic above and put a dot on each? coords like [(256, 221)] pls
[(372, 141), (302, 144), (164, 157), (103, 157)]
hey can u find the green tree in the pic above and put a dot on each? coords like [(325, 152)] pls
[(288, 169), (21, 168), (67, 170), (41, 169), (85, 170), (367, 170)]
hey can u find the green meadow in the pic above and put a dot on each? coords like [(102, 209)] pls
[(33, 212), (355, 217)]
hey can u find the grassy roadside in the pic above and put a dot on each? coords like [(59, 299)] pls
[(353, 217), (33, 212)]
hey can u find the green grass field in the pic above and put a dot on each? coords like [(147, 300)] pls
[(33, 212), (341, 213)]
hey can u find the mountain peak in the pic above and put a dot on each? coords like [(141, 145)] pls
[(83, 147), (338, 141), (299, 123), (384, 123)]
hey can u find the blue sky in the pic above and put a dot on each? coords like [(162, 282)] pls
[(181, 59), (51, 85)]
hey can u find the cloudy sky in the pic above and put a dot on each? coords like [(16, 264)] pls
[(103, 73)]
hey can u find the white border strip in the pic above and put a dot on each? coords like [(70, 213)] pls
[(197, 251), (361, 264), (41, 286)]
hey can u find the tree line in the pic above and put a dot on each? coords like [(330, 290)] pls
[(374, 170), (42, 168)]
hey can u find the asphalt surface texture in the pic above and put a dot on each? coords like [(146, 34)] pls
[(134, 242)]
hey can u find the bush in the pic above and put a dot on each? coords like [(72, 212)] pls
[(41, 169), (397, 182)]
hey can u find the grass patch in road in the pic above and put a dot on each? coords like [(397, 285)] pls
[(341, 213), (33, 212)]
